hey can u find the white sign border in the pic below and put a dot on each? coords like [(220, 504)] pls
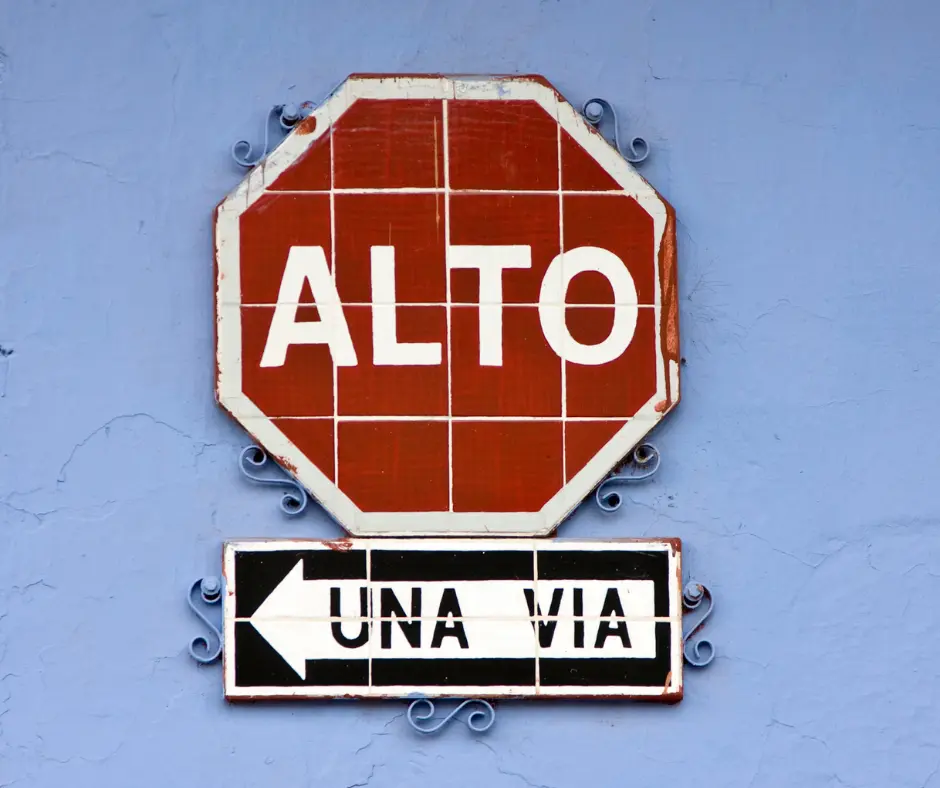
[(228, 315), (671, 692)]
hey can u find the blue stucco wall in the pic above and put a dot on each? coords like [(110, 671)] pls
[(800, 144)]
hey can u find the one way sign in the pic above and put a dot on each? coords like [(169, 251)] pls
[(489, 618)]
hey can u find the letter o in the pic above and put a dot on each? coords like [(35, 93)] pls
[(560, 272)]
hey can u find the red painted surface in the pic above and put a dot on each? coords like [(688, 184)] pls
[(515, 433), (368, 390), (274, 224), (315, 438), (616, 223), (508, 145), (303, 386), (412, 223), (506, 466), (496, 219), (527, 384), (580, 172), (582, 439), (621, 386), (379, 144), (394, 466), (311, 172)]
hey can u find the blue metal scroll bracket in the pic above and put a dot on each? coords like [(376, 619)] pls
[(641, 464), (699, 652), (201, 648), (594, 110), (282, 117), (480, 720), (253, 462)]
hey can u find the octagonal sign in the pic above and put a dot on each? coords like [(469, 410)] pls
[(446, 305)]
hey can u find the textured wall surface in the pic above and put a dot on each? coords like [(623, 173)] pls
[(800, 144)]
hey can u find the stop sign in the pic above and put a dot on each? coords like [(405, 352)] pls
[(446, 305)]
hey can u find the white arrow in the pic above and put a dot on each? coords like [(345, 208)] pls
[(295, 619)]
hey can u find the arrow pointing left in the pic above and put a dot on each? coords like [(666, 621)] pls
[(295, 620)]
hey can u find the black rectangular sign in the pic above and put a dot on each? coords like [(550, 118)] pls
[(477, 617)]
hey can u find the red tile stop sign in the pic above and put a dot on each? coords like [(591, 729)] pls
[(446, 305)]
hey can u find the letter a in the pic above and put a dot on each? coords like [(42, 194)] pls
[(612, 607), (308, 263), (449, 607)]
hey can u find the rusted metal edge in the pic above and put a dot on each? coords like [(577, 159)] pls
[(669, 318)]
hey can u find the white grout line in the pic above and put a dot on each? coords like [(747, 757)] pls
[(333, 274), (439, 190), (450, 388), (369, 608), (564, 384), (456, 303), (535, 626), (460, 418)]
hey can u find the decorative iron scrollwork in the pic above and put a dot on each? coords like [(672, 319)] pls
[(641, 464), (281, 116), (699, 652), (479, 720), (594, 111), (253, 459), (201, 648)]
